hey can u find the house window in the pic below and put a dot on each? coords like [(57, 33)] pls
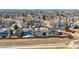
[(44, 33)]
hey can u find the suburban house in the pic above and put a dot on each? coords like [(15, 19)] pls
[(45, 32), (37, 22), (41, 31), (52, 31), (60, 25), (8, 22)]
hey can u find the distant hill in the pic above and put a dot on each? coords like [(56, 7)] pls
[(36, 10)]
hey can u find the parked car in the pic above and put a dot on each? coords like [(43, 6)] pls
[(60, 26), (20, 32), (4, 32), (25, 33)]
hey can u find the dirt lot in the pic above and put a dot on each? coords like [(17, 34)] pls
[(32, 41)]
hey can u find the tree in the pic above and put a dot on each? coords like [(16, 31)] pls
[(30, 23), (66, 28), (16, 27), (44, 17)]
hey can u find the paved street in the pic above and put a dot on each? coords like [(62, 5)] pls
[(33, 42)]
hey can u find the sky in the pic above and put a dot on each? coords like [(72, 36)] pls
[(39, 4)]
